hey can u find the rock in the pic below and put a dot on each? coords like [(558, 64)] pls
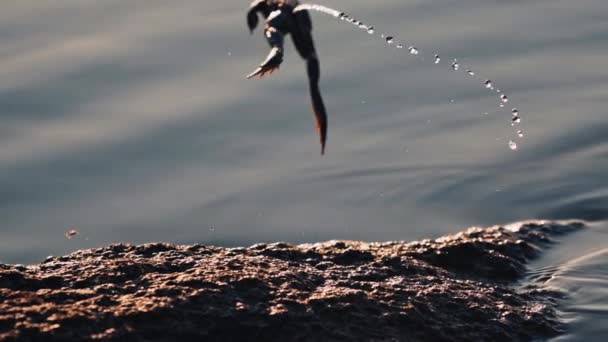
[(448, 289)]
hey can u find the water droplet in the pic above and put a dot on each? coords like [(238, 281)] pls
[(486, 113), (516, 119), (455, 65), (515, 112), (520, 134), (389, 39), (363, 26), (71, 233), (229, 53), (399, 46), (211, 228), (437, 59), (489, 84), (343, 16), (382, 36), (470, 72), (502, 105), (413, 50), (451, 100), (504, 98), (370, 30), (512, 145)]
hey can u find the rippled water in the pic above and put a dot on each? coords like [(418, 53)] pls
[(578, 267), (132, 121)]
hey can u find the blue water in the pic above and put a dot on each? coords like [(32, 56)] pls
[(132, 121)]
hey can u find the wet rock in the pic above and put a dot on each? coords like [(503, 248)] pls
[(451, 288)]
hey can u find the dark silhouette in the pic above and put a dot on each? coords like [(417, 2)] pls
[(281, 19)]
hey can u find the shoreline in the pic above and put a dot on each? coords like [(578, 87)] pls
[(456, 287)]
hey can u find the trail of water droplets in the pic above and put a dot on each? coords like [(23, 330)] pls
[(390, 39)]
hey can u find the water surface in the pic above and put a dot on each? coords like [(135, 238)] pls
[(132, 121)]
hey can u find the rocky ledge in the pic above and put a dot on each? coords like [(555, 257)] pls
[(458, 287)]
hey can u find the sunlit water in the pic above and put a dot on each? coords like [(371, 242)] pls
[(132, 121), (578, 267)]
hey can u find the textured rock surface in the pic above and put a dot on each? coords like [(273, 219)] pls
[(452, 288)]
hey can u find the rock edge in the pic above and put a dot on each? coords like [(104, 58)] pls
[(448, 289)]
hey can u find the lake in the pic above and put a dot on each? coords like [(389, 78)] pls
[(131, 121)]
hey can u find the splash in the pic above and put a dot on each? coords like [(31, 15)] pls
[(392, 41), (321, 9)]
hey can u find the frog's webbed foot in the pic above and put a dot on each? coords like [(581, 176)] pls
[(270, 64)]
